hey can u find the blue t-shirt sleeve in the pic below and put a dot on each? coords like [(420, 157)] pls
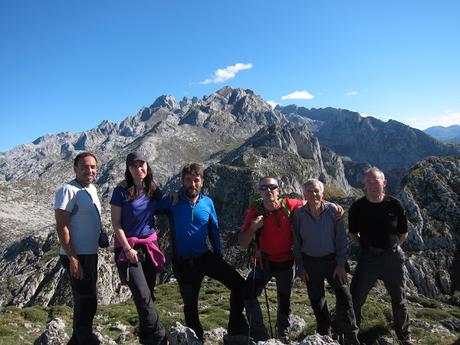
[(214, 229), (118, 196), (165, 202)]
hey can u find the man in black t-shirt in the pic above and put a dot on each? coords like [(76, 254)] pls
[(378, 223)]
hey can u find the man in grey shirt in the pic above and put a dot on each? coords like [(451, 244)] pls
[(320, 252), (78, 224)]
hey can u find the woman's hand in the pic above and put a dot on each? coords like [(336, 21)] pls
[(131, 255)]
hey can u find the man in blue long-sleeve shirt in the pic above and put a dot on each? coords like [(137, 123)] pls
[(194, 219)]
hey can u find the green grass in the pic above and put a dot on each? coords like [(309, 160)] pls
[(6, 331), (432, 315), (424, 338), (426, 302), (13, 321), (35, 314), (214, 306)]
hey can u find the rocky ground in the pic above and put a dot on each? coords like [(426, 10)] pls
[(432, 321), (238, 137)]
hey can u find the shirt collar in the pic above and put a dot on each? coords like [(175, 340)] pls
[(322, 208)]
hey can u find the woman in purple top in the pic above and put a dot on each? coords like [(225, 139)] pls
[(133, 205)]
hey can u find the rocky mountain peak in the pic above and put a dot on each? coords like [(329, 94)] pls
[(228, 97), (232, 113), (187, 103), (168, 102)]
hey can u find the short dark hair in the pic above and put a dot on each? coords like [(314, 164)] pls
[(193, 169), (82, 155)]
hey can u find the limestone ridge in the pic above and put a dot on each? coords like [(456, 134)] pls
[(431, 194), (387, 145), (239, 138), (232, 113), (290, 153)]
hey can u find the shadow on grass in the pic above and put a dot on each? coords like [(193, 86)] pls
[(370, 335)]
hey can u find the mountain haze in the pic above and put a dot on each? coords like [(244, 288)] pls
[(444, 133)]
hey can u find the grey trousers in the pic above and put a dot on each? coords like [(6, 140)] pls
[(142, 280), (319, 269), (256, 281), (387, 266)]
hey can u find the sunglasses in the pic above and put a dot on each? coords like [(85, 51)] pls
[(270, 186)]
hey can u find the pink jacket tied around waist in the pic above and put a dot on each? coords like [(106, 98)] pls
[(155, 253)]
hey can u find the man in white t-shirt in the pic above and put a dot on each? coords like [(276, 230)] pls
[(78, 224)]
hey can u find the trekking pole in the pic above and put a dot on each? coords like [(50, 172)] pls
[(268, 311), (254, 265)]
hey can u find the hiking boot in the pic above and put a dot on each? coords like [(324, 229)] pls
[(72, 341), (407, 341), (284, 339)]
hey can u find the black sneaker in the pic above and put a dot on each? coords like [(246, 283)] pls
[(72, 341), (407, 341)]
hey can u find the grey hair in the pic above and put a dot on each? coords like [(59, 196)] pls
[(313, 182), (374, 170), (268, 177)]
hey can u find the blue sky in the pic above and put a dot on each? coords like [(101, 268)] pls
[(66, 66)]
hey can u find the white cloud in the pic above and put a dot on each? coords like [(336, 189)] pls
[(352, 93), (298, 95), (447, 111), (229, 72), (273, 104), (448, 119)]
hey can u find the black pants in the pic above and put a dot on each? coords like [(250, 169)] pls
[(318, 270), (387, 266), (190, 272), (84, 299), (256, 281), (141, 282)]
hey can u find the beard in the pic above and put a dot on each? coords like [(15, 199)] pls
[(191, 192)]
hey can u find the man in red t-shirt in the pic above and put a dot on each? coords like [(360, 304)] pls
[(269, 226)]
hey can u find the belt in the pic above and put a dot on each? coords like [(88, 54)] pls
[(191, 260), (375, 250), (319, 258)]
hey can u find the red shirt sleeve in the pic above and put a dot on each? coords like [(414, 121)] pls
[(248, 218), (295, 203)]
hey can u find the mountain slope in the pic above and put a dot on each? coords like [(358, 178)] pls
[(388, 145), (444, 133), (238, 138)]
